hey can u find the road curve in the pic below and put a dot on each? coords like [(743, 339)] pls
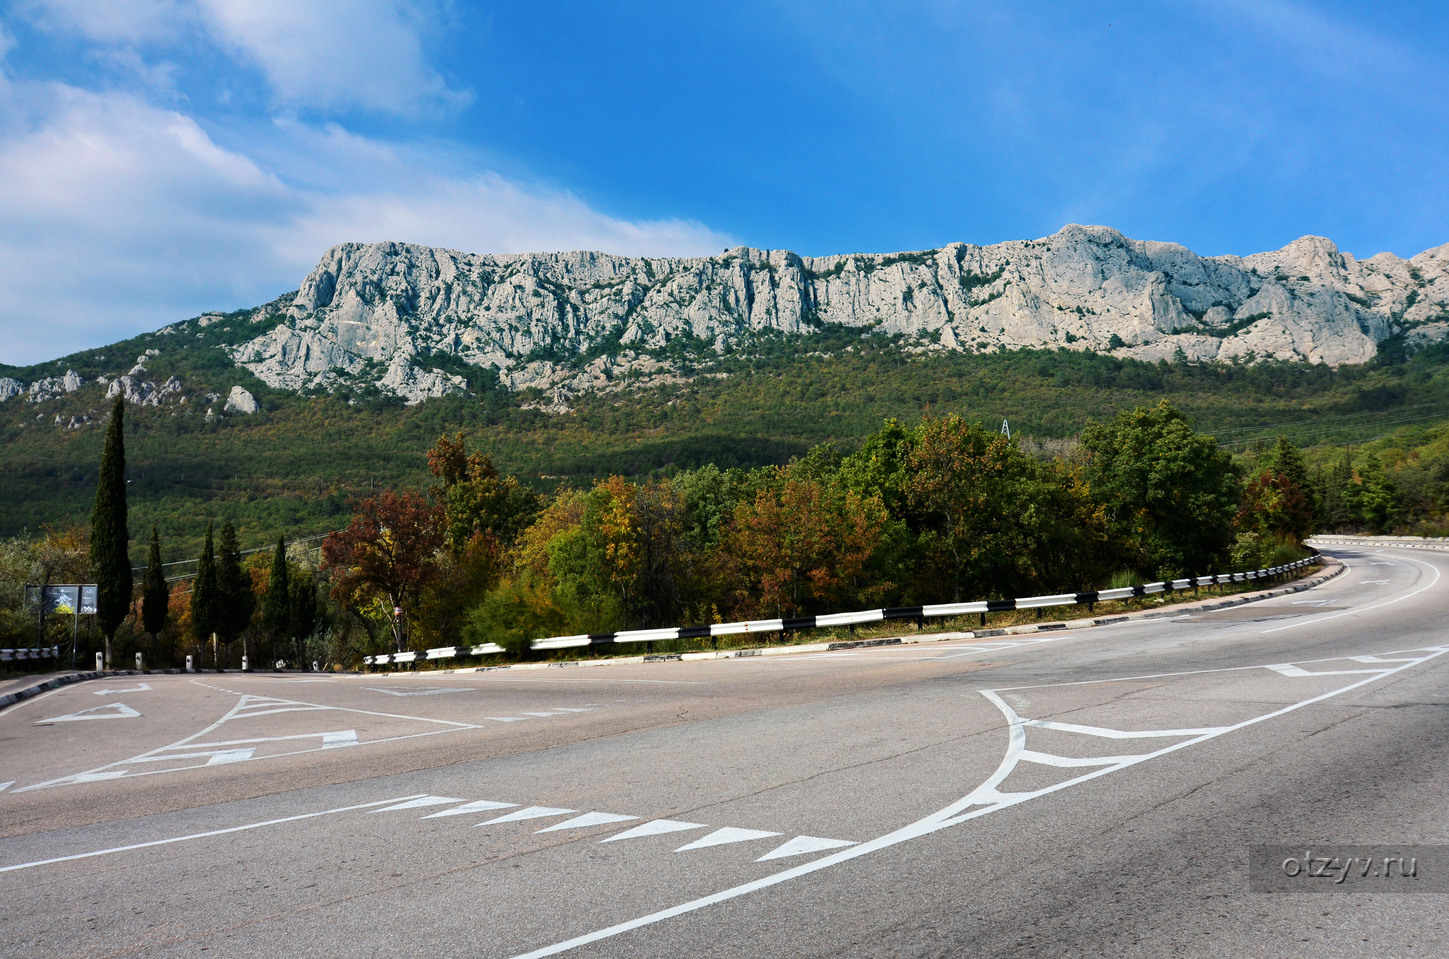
[(1074, 793)]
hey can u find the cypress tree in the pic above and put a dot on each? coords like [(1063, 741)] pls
[(204, 604), (233, 586), (304, 614), (155, 599), (110, 556), (277, 606)]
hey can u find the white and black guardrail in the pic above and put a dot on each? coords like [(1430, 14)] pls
[(918, 613), (21, 655), (1397, 542)]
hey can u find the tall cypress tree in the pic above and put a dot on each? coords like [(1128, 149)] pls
[(204, 600), (304, 614), (277, 607), (155, 598), (233, 586), (110, 556)]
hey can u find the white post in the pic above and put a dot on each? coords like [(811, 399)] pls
[(100, 662), (138, 661), (244, 664), (188, 662)]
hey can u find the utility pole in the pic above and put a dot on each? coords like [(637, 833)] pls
[(1006, 429)]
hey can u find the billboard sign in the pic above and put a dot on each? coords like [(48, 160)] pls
[(63, 598)]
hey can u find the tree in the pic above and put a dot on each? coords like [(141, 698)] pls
[(110, 539), (277, 605), (205, 601), (1171, 493), (388, 550), (235, 602), (476, 498), (155, 597), (302, 613)]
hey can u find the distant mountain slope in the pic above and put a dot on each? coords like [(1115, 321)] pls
[(412, 320)]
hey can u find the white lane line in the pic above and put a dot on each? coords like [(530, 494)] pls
[(480, 805), (5, 786), (1288, 669), (589, 819), (658, 827), (108, 711), (985, 797), (1364, 609), (532, 812), (725, 836), (144, 687), (800, 845), (196, 835), (420, 802), (1107, 733), (418, 692)]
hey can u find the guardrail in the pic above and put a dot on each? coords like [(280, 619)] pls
[(20, 655), (918, 613), (1397, 542)]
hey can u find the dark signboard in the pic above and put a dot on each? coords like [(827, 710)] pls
[(63, 598)]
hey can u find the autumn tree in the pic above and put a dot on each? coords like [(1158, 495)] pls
[(388, 551)]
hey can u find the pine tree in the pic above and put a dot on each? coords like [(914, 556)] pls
[(204, 599), (155, 598), (110, 557), (234, 587), (277, 606)]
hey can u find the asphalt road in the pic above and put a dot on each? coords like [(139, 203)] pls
[(1078, 793)]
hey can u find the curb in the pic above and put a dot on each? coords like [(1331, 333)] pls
[(1334, 568)]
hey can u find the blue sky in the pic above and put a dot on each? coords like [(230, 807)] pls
[(159, 158)]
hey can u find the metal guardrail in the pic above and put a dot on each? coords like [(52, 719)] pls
[(21, 655), (1397, 542), (842, 619)]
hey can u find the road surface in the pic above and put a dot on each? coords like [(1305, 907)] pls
[(1076, 793)]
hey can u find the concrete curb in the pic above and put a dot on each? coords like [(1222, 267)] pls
[(1333, 568)]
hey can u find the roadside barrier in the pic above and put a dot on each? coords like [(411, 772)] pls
[(18, 655), (1397, 542), (918, 613)]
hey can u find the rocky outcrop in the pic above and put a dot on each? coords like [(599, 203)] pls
[(54, 386), (10, 387), (142, 392), (241, 401), (405, 318)]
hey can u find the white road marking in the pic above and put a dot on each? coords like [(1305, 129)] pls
[(803, 844), (420, 802), (5, 786), (144, 687), (985, 798), (1363, 609), (481, 805), (658, 827), (197, 835), (344, 737), (532, 812), (507, 719), (418, 692), (589, 819), (1373, 582), (222, 756), (109, 711), (726, 835), (1288, 669)]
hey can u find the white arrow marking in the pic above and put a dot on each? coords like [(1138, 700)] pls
[(1374, 582), (803, 844), (419, 803), (230, 756), (726, 835), (1312, 602), (416, 692), (5, 786), (656, 828), (506, 719), (532, 812), (589, 819), (135, 689), (1288, 669), (482, 805), (109, 711), (344, 737)]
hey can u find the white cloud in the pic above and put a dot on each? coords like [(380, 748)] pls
[(333, 53), (313, 54), (117, 217)]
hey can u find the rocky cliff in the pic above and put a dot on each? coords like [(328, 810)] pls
[(403, 316)]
